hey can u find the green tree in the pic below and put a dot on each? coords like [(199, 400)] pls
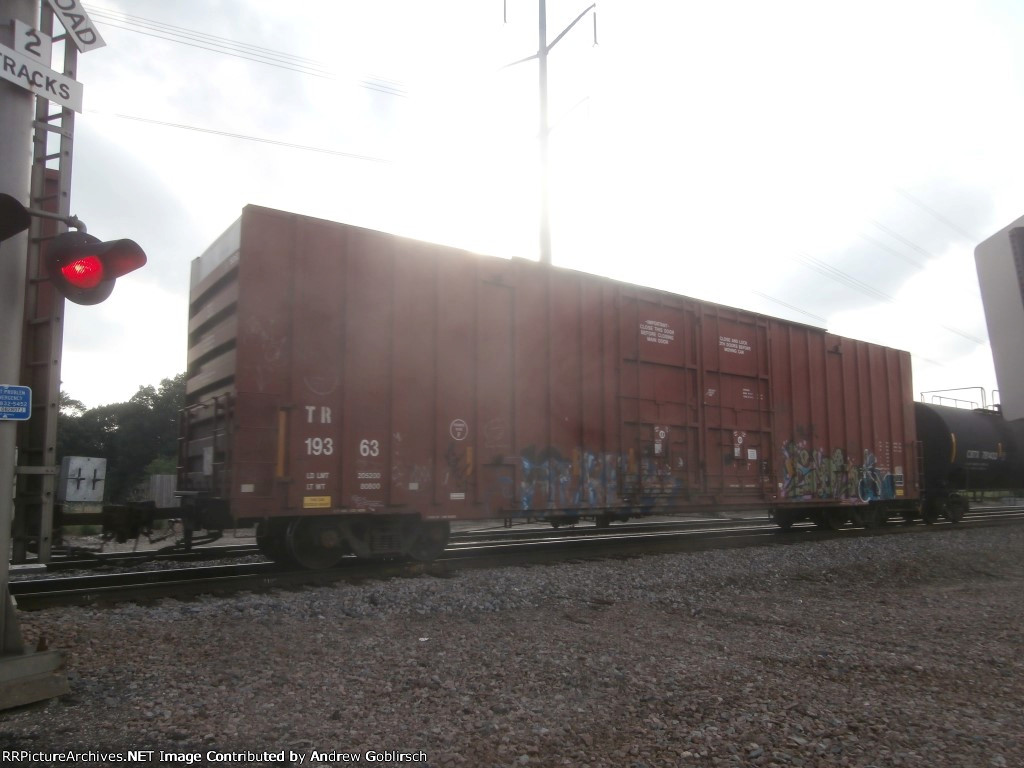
[(136, 437)]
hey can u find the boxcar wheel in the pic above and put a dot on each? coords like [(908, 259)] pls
[(784, 520), (831, 519), (430, 542), (315, 543), (873, 518), (270, 536)]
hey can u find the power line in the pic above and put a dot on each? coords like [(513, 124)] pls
[(245, 137), (843, 278), (969, 237), (858, 285), (110, 16), (811, 315), (238, 50), (893, 251), (896, 236)]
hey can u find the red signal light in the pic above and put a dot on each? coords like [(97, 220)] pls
[(84, 273), (84, 269)]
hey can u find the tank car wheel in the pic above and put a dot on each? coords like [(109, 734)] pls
[(315, 543), (430, 542), (956, 508)]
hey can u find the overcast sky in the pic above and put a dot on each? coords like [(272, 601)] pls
[(831, 163)]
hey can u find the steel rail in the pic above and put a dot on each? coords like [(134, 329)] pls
[(107, 589)]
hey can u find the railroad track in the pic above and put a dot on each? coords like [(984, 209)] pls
[(473, 549), (84, 559)]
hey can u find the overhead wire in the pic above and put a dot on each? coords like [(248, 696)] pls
[(968, 236), (780, 302), (229, 134), (234, 48), (909, 259), (896, 236), (849, 281), (302, 65)]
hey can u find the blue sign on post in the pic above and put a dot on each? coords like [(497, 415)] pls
[(15, 403)]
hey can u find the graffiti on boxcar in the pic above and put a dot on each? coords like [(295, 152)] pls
[(458, 466), (549, 479), (413, 477), (538, 468), (818, 474)]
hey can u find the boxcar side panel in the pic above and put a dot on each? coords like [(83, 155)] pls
[(495, 468), (455, 433), (367, 355), (736, 400), (263, 363), (376, 374), (312, 407), (414, 379), (843, 419)]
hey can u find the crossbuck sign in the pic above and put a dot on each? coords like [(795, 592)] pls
[(27, 63)]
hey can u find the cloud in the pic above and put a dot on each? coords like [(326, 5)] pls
[(829, 164)]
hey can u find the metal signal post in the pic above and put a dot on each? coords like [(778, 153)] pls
[(27, 177), (24, 677)]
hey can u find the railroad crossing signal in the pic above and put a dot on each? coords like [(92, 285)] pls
[(14, 217), (79, 265), (84, 269)]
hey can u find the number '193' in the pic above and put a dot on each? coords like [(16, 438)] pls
[(319, 446)]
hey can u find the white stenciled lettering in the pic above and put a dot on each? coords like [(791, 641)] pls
[(657, 332), (311, 414), (319, 446), (733, 346)]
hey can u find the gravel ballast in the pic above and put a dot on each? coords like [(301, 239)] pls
[(880, 651)]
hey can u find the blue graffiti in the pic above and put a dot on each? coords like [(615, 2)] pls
[(820, 475), (591, 480)]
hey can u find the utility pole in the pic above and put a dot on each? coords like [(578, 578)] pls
[(543, 48), (545, 207)]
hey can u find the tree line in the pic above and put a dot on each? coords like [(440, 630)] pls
[(138, 438)]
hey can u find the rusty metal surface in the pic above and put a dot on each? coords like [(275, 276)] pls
[(359, 373), (844, 417)]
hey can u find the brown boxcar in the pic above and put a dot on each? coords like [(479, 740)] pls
[(354, 390)]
